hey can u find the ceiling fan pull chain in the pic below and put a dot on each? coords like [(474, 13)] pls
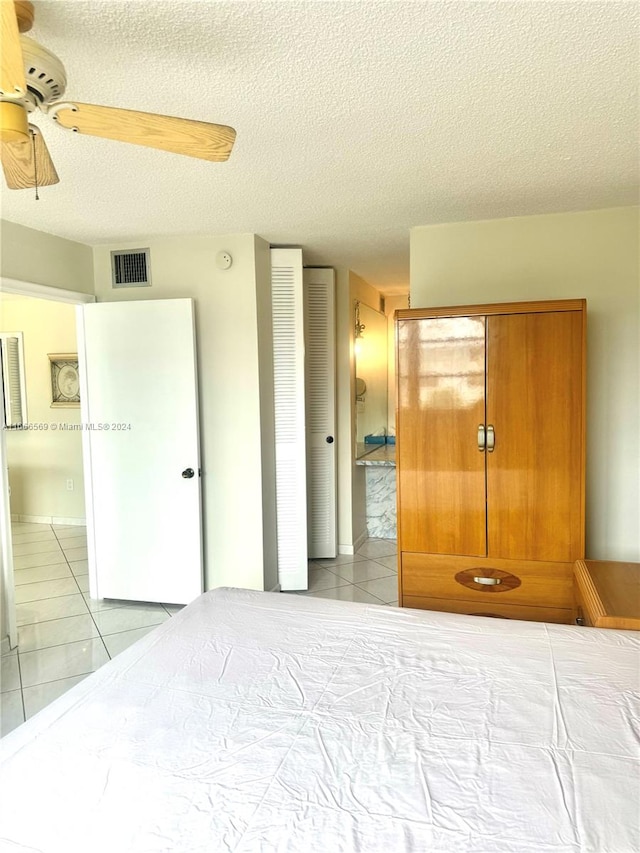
[(35, 164)]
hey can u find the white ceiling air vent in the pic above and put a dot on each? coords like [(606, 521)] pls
[(130, 268)]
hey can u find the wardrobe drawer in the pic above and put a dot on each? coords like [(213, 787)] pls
[(483, 579), (490, 608)]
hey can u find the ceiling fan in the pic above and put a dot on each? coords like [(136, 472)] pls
[(31, 77)]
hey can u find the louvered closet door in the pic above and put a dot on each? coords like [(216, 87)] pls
[(319, 312), (289, 403), (441, 402), (12, 381), (534, 475)]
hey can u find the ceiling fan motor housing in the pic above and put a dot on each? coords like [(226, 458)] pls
[(44, 73)]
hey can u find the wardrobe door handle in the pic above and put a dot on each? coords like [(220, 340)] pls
[(491, 439), (488, 581), (481, 438)]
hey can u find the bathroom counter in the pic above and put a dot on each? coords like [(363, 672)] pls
[(380, 477), (380, 454)]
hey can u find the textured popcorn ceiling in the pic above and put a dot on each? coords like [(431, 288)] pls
[(355, 120)]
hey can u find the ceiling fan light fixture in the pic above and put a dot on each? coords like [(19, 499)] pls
[(14, 126), (33, 78)]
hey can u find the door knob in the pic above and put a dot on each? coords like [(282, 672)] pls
[(188, 473), (329, 439)]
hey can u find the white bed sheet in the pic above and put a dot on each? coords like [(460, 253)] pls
[(265, 722)]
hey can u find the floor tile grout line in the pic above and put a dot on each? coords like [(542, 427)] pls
[(56, 619), (52, 595), (368, 593), (90, 612), (390, 573), (371, 593), (52, 551), (48, 550), (53, 680), (41, 566), (22, 688), (58, 645), (42, 621), (336, 566), (98, 636), (350, 583), (334, 588), (45, 580), (24, 710)]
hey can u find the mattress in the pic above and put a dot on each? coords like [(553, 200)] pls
[(263, 722)]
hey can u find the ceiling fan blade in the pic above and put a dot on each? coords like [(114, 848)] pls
[(179, 135), (19, 167), (12, 80)]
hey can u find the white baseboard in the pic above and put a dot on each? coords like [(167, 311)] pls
[(49, 519), (361, 539), (33, 519), (351, 549)]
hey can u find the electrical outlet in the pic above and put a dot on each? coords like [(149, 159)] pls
[(69, 485)]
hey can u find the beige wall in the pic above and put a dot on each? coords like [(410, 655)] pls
[(233, 328), (352, 527), (391, 305), (41, 258), (371, 353), (592, 254), (42, 460), (359, 289), (345, 412), (365, 292)]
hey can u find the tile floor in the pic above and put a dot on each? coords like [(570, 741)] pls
[(63, 635), (369, 576)]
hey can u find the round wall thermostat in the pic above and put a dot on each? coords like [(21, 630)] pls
[(223, 260)]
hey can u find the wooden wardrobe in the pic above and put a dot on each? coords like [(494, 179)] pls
[(490, 429)]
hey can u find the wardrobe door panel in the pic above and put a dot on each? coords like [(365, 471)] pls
[(441, 403), (534, 403)]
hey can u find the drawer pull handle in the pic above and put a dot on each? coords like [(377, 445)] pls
[(495, 583)]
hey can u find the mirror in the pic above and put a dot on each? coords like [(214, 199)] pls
[(371, 377)]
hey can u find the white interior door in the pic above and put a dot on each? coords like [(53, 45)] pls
[(320, 323), (142, 460), (289, 405)]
